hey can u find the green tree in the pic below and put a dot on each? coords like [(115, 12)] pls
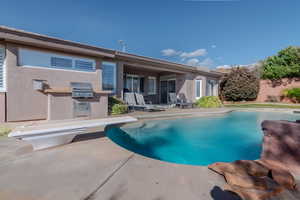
[(286, 64)]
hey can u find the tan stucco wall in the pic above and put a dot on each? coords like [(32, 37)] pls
[(272, 91), (186, 86), (2, 107), (25, 103), (61, 106)]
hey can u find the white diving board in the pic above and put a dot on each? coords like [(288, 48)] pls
[(53, 134)]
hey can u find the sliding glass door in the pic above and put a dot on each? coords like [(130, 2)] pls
[(134, 83), (166, 87)]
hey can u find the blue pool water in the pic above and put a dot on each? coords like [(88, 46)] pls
[(198, 141)]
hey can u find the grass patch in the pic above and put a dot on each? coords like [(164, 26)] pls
[(262, 106), (4, 131)]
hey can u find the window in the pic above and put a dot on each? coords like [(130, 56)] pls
[(151, 85), (61, 62), (198, 88), (81, 64), (2, 69), (211, 88), (35, 58), (133, 83), (109, 76)]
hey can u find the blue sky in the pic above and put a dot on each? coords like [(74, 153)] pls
[(198, 32)]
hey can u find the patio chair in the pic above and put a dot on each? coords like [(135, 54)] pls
[(172, 99), (129, 99), (149, 107), (182, 102)]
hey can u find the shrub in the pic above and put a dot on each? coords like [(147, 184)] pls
[(119, 109), (293, 93), (286, 64), (113, 101), (239, 85), (4, 131), (209, 102)]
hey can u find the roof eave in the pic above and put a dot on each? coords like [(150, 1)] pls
[(33, 39)]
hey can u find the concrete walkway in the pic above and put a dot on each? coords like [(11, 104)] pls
[(98, 169)]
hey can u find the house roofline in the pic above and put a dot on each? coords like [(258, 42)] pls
[(155, 61), (34, 39)]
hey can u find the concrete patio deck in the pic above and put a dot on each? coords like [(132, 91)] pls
[(98, 169)]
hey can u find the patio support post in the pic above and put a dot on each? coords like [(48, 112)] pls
[(120, 81)]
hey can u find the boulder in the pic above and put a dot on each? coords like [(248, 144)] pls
[(280, 173), (246, 181), (253, 168), (241, 167), (222, 167), (281, 142), (254, 194), (284, 178)]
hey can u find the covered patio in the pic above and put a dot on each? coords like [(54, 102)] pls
[(157, 79), (153, 83)]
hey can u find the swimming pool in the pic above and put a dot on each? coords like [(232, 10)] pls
[(198, 141)]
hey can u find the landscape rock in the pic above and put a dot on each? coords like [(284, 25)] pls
[(246, 181), (241, 167), (254, 194), (281, 142), (253, 168), (284, 178)]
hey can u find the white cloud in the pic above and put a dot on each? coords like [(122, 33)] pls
[(196, 53), (224, 67), (189, 58), (170, 52), (193, 62), (207, 62), (213, 46)]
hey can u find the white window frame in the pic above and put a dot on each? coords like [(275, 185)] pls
[(154, 86), (112, 64), (200, 92), (134, 76), (4, 88)]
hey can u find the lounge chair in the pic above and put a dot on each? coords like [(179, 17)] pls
[(149, 107), (180, 103), (172, 99), (129, 99)]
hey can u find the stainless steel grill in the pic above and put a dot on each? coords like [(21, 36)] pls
[(82, 90)]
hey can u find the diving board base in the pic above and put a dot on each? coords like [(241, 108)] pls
[(47, 141), (51, 135)]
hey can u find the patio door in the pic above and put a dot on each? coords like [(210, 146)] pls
[(164, 92), (166, 87)]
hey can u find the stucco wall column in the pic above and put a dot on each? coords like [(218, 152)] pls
[(2, 107), (120, 81)]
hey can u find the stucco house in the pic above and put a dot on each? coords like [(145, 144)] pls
[(38, 72)]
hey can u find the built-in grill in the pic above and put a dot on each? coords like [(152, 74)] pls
[(82, 90)]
